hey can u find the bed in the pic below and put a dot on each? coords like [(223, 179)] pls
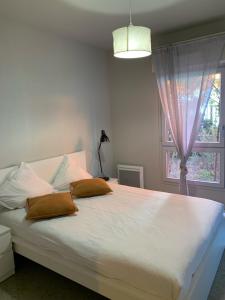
[(131, 244)]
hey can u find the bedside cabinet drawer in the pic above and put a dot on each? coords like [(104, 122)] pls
[(7, 267)]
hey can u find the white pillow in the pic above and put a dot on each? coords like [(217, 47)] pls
[(68, 172), (20, 184)]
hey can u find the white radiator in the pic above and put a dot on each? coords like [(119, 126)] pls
[(130, 175)]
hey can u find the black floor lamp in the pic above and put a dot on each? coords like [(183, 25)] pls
[(103, 139)]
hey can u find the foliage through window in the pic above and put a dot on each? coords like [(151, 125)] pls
[(209, 129), (202, 166)]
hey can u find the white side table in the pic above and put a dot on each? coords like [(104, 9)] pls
[(113, 180), (7, 267)]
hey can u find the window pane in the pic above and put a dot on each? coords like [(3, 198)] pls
[(209, 129), (202, 166)]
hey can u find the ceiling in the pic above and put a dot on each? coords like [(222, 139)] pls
[(92, 21)]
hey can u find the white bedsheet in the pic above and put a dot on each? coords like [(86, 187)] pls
[(151, 240)]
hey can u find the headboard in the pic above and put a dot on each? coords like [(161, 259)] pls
[(46, 168)]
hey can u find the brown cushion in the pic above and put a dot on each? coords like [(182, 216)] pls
[(52, 205), (89, 188)]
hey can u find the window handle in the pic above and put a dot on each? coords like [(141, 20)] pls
[(223, 130)]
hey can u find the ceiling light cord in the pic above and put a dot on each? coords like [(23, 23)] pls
[(130, 14)]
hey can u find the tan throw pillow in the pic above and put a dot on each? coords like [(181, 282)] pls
[(89, 188), (48, 206)]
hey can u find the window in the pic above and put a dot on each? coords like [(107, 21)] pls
[(206, 163)]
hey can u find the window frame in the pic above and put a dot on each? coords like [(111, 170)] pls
[(200, 147)]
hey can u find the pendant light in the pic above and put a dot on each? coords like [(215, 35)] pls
[(132, 41)]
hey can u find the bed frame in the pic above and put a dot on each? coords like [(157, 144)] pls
[(110, 288)]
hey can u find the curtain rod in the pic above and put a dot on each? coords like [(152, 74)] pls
[(190, 40)]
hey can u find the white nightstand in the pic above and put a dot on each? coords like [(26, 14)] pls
[(7, 267), (113, 180)]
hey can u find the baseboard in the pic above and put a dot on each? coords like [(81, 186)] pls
[(7, 275)]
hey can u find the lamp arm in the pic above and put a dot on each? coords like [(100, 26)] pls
[(99, 157)]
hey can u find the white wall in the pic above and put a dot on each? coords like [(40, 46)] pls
[(136, 119), (54, 96)]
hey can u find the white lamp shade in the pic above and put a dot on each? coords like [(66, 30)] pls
[(132, 42)]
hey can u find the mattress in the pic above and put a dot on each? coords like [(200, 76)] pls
[(153, 241)]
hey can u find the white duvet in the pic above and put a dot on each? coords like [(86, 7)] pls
[(150, 240)]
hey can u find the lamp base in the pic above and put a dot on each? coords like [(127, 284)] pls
[(104, 177)]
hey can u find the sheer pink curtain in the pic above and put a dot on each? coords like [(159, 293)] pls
[(185, 74)]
